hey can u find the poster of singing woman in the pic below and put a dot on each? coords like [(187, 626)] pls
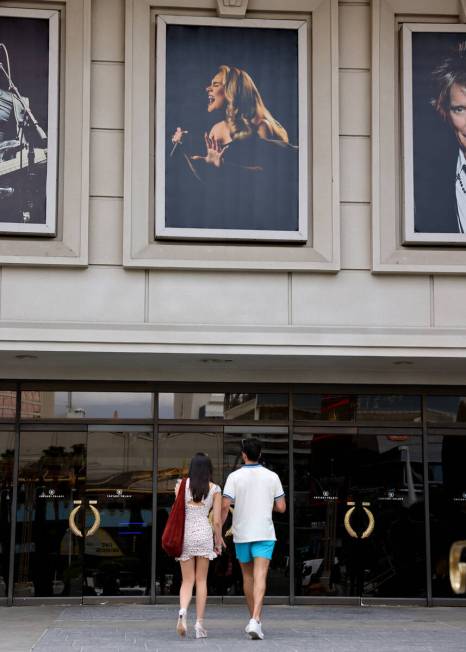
[(28, 120), (231, 129)]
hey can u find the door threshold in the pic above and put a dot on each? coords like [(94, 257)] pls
[(51, 602), (460, 601), (342, 600), (174, 599), (103, 600), (393, 602)]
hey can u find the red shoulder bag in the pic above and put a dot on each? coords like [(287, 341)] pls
[(173, 534)]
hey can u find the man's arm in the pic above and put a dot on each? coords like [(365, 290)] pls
[(279, 505), (226, 502)]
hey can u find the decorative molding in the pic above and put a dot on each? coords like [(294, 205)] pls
[(389, 255), (462, 10), (235, 8), (322, 251), (70, 246)]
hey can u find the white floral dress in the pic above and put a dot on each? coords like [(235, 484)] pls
[(198, 535)]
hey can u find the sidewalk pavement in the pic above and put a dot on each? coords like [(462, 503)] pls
[(137, 628)]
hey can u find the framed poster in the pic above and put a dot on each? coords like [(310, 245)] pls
[(29, 107), (231, 159), (434, 133)]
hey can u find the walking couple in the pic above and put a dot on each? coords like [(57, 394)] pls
[(255, 492)]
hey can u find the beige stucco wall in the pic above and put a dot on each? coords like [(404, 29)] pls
[(384, 315)]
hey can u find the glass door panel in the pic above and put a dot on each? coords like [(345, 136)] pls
[(7, 444), (359, 515), (323, 560), (389, 480), (447, 491), (52, 474), (118, 508), (175, 450), (274, 457)]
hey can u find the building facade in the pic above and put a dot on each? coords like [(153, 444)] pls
[(122, 353)]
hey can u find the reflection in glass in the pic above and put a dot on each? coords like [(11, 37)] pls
[(7, 405), (52, 471), (274, 457), (93, 405), (256, 407), (385, 408), (376, 477), (119, 488), (447, 491), (446, 409), (7, 443), (246, 407), (175, 450), (325, 407)]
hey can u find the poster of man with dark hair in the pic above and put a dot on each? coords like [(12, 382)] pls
[(28, 120), (438, 122), (231, 150)]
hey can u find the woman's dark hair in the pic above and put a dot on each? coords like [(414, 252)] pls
[(252, 448), (200, 475)]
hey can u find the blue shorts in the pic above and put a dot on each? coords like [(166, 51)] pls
[(245, 552)]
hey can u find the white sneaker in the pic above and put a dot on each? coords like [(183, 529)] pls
[(254, 630), (199, 630)]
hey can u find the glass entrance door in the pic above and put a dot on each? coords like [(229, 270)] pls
[(359, 513), (176, 446), (84, 515)]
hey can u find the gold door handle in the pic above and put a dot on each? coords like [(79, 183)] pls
[(72, 522), (367, 532), (457, 567)]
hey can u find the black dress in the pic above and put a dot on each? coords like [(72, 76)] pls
[(256, 188)]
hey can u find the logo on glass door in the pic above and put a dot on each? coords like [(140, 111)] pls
[(119, 494), (51, 494)]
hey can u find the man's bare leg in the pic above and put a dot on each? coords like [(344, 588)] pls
[(260, 570), (248, 585)]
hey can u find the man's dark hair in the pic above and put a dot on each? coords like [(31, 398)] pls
[(251, 448), (451, 71)]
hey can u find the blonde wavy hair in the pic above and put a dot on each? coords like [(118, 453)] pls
[(245, 105)]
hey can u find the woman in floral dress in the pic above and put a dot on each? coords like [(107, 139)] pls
[(200, 544)]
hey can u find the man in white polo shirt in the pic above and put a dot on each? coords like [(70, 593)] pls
[(255, 492)]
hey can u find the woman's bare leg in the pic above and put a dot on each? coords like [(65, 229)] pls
[(188, 574), (202, 568)]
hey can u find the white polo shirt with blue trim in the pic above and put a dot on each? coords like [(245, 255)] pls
[(253, 490)]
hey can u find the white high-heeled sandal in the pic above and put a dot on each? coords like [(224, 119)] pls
[(199, 630), (181, 627)]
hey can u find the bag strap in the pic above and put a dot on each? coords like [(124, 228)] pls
[(182, 492)]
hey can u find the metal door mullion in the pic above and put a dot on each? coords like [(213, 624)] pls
[(425, 468), (290, 498), (155, 444), (14, 505)]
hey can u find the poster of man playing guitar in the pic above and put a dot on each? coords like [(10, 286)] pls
[(28, 121)]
